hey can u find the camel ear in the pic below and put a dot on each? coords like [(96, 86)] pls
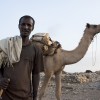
[(88, 25)]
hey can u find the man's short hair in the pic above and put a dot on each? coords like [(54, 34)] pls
[(27, 16)]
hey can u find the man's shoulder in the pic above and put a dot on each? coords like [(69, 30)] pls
[(35, 46)]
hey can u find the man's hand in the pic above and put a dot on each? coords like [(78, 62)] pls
[(35, 98), (4, 82)]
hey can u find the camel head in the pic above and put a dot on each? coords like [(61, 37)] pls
[(92, 29)]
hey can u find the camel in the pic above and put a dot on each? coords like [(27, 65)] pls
[(54, 65)]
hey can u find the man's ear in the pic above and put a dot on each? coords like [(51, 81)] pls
[(32, 28), (18, 25)]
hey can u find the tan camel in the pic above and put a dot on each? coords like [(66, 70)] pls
[(53, 65)]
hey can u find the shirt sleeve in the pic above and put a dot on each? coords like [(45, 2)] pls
[(38, 63)]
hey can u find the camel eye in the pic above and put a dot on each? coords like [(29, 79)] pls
[(95, 26)]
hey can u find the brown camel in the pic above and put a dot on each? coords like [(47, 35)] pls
[(53, 65)]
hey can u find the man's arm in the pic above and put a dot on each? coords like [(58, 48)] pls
[(1, 72), (3, 81), (35, 83), (38, 64)]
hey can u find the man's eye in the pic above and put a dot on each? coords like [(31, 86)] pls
[(29, 25), (22, 24)]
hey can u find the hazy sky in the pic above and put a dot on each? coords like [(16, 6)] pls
[(64, 20)]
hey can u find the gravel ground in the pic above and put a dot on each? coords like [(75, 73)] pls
[(75, 91)]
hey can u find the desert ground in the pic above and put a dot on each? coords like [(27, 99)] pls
[(75, 86)]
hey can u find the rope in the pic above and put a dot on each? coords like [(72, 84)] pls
[(94, 53)]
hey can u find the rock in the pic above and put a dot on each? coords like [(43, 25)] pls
[(88, 71), (75, 86)]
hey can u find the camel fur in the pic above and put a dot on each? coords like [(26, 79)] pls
[(53, 65)]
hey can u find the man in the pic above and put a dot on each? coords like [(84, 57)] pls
[(16, 81)]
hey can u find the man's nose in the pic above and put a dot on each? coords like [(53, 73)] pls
[(26, 26)]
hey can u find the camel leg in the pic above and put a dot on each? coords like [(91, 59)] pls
[(44, 85), (58, 85)]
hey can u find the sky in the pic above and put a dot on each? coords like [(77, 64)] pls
[(64, 20)]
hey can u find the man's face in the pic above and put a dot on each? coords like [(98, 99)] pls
[(26, 27)]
